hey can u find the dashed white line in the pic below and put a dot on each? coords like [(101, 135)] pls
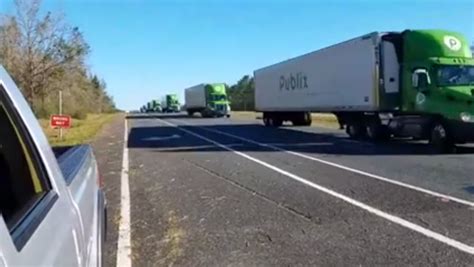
[(124, 247), (392, 218), (339, 166)]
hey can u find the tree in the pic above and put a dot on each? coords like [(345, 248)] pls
[(242, 94), (44, 55)]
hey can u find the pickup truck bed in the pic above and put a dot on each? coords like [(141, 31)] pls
[(71, 159), (78, 165)]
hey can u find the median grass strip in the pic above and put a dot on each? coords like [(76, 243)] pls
[(81, 131), (326, 120)]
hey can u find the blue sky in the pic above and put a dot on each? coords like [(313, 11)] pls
[(145, 49)]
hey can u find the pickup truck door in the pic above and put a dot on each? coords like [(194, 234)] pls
[(38, 225)]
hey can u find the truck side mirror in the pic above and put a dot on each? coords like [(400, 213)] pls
[(420, 79)]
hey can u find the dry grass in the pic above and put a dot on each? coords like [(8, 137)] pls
[(82, 131), (326, 120)]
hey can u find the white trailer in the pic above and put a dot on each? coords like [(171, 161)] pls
[(342, 77), (195, 97)]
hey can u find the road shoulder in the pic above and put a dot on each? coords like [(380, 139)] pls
[(108, 149)]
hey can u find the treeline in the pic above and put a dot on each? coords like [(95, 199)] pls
[(45, 55), (241, 94)]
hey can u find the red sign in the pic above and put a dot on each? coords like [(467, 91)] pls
[(60, 121)]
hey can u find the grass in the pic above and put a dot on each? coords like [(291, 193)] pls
[(81, 131), (326, 120)]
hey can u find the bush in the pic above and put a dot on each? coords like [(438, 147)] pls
[(79, 114)]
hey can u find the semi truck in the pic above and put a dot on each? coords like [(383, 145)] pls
[(152, 106), (414, 83), (210, 100), (170, 103), (156, 106)]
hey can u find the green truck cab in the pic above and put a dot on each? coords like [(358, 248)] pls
[(208, 99), (436, 87), (156, 106), (217, 99), (171, 103)]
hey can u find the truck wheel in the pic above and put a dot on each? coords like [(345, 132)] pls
[(266, 122), (440, 139), (377, 132), (190, 113), (355, 130), (303, 119), (307, 119)]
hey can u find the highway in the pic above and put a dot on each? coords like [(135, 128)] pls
[(227, 192)]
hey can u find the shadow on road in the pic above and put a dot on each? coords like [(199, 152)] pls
[(180, 115), (171, 139), (156, 115)]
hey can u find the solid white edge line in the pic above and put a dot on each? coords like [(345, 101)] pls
[(392, 218), (124, 248), (374, 176)]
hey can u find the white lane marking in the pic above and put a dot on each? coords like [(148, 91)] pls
[(161, 138), (374, 176), (392, 218), (300, 144), (124, 247)]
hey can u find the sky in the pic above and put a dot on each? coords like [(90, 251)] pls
[(145, 49)]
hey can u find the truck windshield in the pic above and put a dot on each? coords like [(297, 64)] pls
[(218, 97), (455, 75)]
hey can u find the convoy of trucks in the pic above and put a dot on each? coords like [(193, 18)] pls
[(415, 83), (210, 100), (169, 104), (52, 209)]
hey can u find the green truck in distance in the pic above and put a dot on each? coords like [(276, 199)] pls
[(415, 83), (152, 106), (210, 100), (156, 106), (171, 103)]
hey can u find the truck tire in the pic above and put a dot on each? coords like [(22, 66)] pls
[(266, 121), (307, 119), (440, 139), (302, 119), (190, 113), (355, 130), (377, 132)]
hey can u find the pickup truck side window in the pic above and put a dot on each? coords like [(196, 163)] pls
[(23, 182)]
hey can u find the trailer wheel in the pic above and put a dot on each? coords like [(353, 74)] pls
[(440, 139), (266, 121), (307, 120), (355, 130), (297, 122), (302, 119)]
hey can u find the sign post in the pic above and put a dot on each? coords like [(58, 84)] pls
[(60, 112)]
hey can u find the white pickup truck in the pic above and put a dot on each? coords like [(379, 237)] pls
[(52, 208)]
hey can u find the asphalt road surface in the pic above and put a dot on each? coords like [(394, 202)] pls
[(224, 192)]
